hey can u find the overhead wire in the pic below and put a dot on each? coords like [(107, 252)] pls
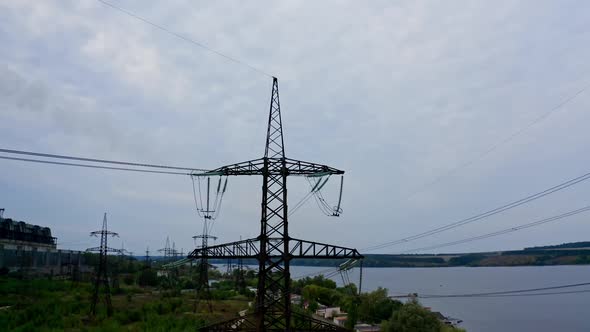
[(508, 292), (195, 197), (218, 208), (312, 274), (182, 37), (483, 215), (539, 294), (504, 231), (316, 191), (95, 160), (539, 291), (92, 166), (305, 198), (495, 146)]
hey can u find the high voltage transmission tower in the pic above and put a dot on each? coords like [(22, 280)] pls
[(209, 211), (168, 251), (203, 293), (147, 257), (101, 274), (274, 248)]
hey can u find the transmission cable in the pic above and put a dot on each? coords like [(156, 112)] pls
[(496, 145), (94, 160), (509, 292), (314, 188), (182, 37), (484, 215), (312, 274), (504, 231), (195, 197), (92, 166)]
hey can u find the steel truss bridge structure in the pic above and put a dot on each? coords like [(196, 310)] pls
[(274, 248)]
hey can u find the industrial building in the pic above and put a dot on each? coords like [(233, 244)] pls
[(24, 246)]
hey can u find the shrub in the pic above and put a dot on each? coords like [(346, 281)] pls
[(412, 317)]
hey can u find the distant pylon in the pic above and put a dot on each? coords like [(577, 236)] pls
[(240, 280), (147, 257), (101, 275), (167, 250), (202, 288)]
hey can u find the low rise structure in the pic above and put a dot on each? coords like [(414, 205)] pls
[(367, 328), (328, 312), (25, 246)]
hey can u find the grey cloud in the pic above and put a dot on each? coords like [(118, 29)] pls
[(395, 93)]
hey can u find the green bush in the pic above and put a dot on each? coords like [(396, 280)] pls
[(412, 317)]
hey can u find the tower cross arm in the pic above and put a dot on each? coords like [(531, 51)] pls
[(97, 233), (239, 249), (274, 248), (250, 167), (306, 168), (275, 166), (107, 249), (310, 249)]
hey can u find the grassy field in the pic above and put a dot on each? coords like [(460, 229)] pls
[(55, 305)]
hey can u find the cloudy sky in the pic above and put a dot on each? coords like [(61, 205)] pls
[(395, 93)]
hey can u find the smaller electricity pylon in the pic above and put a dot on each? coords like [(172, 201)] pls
[(202, 287), (167, 250), (102, 275), (208, 209), (147, 257), (124, 252), (240, 280)]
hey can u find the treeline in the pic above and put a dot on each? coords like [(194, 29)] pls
[(572, 245)]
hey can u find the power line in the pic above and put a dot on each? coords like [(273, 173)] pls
[(94, 160), (322, 272), (184, 38), (509, 292), (91, 166), (542, 294), (484, 215), (504, 231), (488, 296), (497, 144)]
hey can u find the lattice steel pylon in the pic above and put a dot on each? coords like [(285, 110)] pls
[(167, 250), (101, 275), (274, 248), (203, 292)]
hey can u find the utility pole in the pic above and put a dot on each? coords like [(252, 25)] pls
[(274, 248), (102, 275)]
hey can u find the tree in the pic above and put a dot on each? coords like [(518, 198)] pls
[(298, 285), (322, 295), (412, 317), (148, 277), (376, 306)]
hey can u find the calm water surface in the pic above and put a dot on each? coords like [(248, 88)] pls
[(552, 313)]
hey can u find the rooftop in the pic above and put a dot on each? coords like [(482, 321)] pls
[(21, 231)]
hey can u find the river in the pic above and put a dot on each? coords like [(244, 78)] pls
[(549, 313)]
